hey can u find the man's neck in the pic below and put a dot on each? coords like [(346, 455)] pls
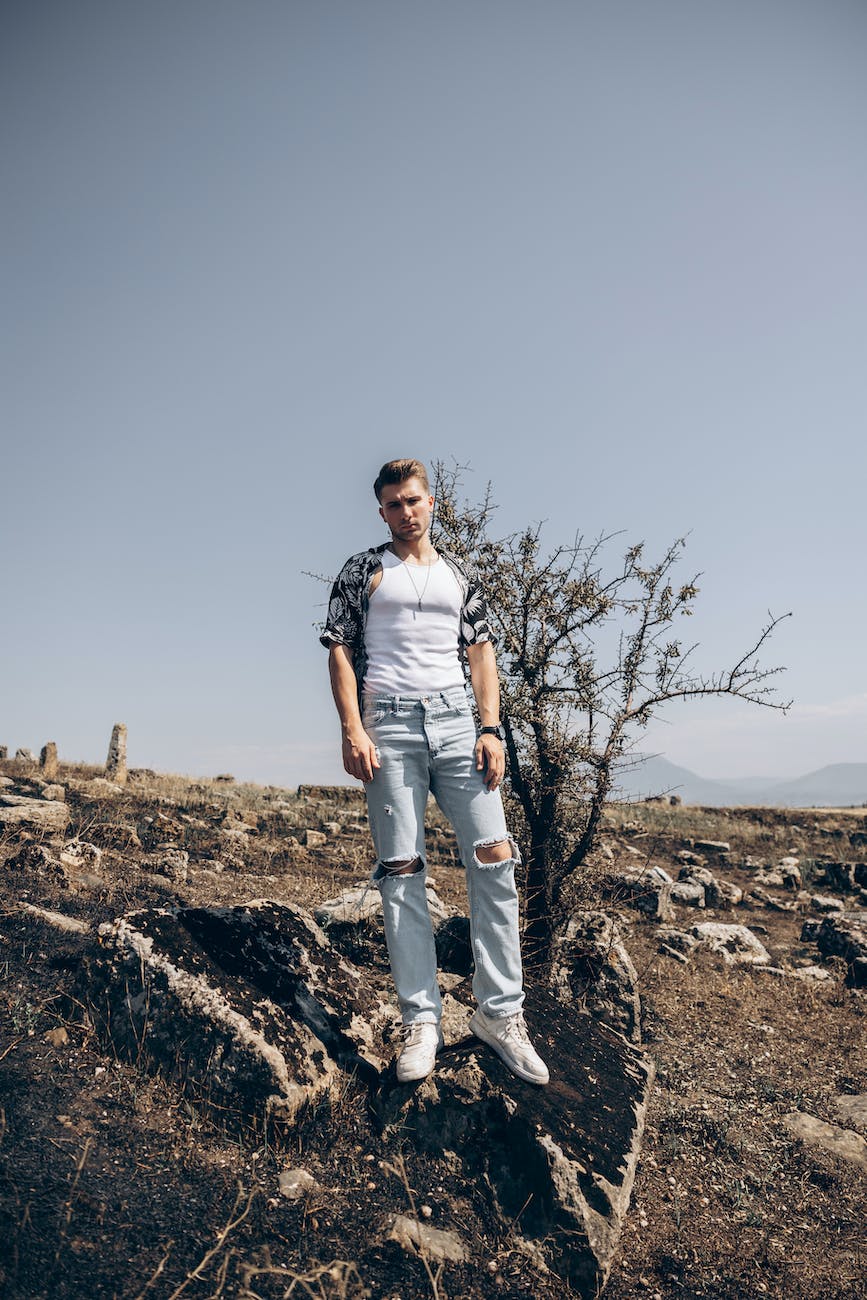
[(420, 551)]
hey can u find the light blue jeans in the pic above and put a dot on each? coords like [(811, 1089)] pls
[(426, 744)]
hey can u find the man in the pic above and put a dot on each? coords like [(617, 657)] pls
[(401, 618)]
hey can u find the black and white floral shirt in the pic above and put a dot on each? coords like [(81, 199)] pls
[(350, 596)]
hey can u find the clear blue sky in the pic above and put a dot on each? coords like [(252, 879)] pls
[(612, 255)]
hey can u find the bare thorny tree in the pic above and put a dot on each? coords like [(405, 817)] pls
[(572, 710)]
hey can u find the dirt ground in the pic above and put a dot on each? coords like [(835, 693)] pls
[(113, 1183)]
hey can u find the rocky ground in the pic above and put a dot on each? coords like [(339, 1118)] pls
[(118, 1179)]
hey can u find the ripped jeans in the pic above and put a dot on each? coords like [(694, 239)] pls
[(426, 744)]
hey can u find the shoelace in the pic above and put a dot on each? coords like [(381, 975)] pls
[(516, 1028), (412, 1033)]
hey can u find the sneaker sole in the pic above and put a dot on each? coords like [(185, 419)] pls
[(507, 1061)]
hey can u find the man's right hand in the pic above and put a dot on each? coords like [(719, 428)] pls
[(359, 755)]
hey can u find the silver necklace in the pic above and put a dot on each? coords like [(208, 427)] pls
[(418, 594)]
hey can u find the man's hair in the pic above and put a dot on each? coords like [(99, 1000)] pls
[(398, 471)]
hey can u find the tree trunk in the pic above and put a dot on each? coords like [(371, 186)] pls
[(537, 930)]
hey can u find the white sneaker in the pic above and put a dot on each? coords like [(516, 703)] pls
[(421, 1042), (508, 1036)]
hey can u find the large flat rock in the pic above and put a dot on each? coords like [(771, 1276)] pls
[(561, 1159), (248, 1006), (37, 814)]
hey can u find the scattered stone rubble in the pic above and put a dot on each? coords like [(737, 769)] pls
[(262, 1008), (253, 1010)]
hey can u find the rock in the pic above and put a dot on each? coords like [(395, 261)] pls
[(591, 969), (823, 903), (811, 974), (40, 814), (80, 855), (57, 920), (295, 1184), (858, 839), (48, 760), (790, 871), (115, 763), (240, 819), (313, 839), (25, 756), (851, 1108), (645, 890), (729, 895), (846, 937), (6, 782), (352, 906), (810, 931), (331, 828), (689, 893), (840, 1142), (98, 788), (736, 944), (38, 860), (54, 792), (174, 863), (331, 793), (676, 943), (689, 859), (248, 1005), (712, 846), (775, 879), (421, 1239), (841, 876), (767, 900), (560, 1160)]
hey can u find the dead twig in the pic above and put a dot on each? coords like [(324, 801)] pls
[(222, 1237), (157, 1272)]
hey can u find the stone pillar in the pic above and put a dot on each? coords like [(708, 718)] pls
[(48, 760), (115, 764)]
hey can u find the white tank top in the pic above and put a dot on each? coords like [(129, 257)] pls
[(413, 650)]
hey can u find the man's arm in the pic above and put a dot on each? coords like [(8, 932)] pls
[(486, 688), (359, 751)]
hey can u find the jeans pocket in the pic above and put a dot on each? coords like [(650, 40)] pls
[(371, 714)]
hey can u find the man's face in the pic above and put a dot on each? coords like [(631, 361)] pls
[(406, 508)]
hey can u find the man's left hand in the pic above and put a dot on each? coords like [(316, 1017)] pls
[(491, 759)]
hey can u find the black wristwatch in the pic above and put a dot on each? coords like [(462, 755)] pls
[(493, 731)]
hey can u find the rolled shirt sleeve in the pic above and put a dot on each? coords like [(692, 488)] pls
[(344, 621), (475, 619)]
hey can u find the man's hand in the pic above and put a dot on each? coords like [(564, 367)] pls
[(491, 758), (359, 755)]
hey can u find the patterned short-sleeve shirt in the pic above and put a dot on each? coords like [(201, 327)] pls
[(350, 595)]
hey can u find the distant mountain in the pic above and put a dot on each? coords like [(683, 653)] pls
[(840, 785), (837, 786)]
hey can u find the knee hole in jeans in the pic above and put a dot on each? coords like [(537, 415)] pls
[(495, 853), (403, 867)]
